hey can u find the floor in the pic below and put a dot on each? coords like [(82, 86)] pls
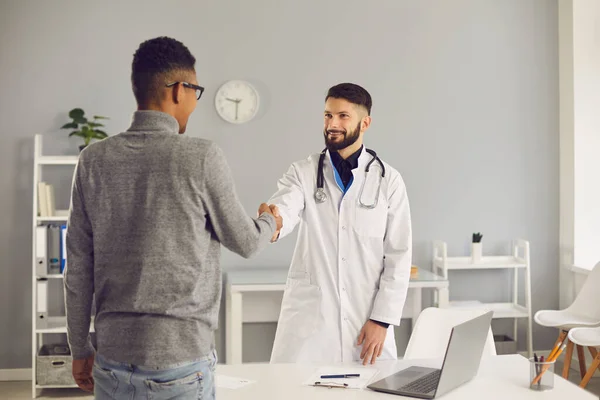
[(22, 390)]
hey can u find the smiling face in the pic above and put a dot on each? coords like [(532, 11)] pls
[(344, 124)]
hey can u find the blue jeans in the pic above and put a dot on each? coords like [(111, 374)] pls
[(121, 381)]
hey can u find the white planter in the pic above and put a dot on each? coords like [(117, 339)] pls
[(476, 252)]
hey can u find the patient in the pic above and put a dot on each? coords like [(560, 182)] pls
[(149, 210)]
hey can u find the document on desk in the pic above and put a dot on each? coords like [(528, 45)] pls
[(352, 377), (231, 382)]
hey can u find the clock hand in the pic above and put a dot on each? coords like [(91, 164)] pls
[(236, 109)]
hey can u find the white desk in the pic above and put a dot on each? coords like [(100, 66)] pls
[(262, 291), (499, 377)]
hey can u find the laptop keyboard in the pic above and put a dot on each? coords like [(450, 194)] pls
[(425, 384)]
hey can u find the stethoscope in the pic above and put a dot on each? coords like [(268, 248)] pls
[(320, 195)]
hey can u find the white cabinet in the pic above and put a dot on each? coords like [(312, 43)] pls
[(44, 281), (518, 262)]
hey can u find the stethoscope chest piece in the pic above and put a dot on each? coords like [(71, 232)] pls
[(320, 195)]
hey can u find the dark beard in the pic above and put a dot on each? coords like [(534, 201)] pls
[(349, 140)]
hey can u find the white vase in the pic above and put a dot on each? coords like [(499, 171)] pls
[(476, 252)]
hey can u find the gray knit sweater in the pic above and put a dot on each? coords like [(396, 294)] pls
[(149, 209)]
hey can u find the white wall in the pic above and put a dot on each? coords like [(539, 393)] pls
[(579, 40), (465, 105), (586, 77)]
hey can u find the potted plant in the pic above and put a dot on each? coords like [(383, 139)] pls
[(476, 247), (85, 129)]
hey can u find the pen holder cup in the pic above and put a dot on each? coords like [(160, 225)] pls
[(541, 375)]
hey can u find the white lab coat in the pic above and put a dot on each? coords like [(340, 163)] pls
[(350, 264)]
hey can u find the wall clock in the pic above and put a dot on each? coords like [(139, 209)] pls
[(237, 101)]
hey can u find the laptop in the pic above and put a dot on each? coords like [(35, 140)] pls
[(461, 362)]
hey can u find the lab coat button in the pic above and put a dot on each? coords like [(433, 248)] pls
[(343, 259)]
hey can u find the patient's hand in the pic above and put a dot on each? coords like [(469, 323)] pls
[(371, 338)]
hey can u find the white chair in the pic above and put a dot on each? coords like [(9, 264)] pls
[(584, 312), (590, 338), (429, 337)]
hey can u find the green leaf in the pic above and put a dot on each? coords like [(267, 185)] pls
[(80, 120), (85, 129), (70, 125), (94, 124), (76, 133), (101, 134), (100, 117), (76, 113)]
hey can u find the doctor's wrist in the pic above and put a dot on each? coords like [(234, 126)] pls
[(385, 325)]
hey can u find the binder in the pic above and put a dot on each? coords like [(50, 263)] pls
[(41, 246), (63, 248), (42, 301), (54, 261), (43, 199)]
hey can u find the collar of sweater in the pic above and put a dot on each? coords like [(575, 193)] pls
[(148, 121)]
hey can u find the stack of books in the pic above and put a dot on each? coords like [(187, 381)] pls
[(46, 206)]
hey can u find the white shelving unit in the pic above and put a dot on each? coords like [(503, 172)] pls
[(51, 325), (519, 260)]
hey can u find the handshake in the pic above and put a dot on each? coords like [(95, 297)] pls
[(274, 211)]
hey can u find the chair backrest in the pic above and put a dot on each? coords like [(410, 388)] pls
[(586, 303), (430, 335)]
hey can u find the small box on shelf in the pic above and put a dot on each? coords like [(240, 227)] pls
[(54, 365), (505, 344), (414, 272)]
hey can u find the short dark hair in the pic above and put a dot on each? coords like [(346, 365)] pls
[(153, 63), (353, 93)]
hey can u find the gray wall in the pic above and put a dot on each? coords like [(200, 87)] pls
[(465, 106)]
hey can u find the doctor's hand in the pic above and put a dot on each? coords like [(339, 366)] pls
[(279, 218), (274, 211), (371, 338)]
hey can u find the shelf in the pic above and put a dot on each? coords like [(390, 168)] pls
[(55, 325), (51, 276), (491, 262), (501, 310), (60, 216), (56, 386), (57, 160)]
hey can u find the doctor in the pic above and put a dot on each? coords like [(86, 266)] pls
[(349, 274)]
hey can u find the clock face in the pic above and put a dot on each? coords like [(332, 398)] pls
[(237, 102)]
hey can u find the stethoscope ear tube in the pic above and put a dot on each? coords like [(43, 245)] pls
[(321, 196)]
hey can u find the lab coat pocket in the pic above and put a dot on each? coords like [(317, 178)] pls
[(301, 306), (370, 222)]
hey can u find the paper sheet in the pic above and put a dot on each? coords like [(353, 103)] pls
[(231, 382), (366, 376)]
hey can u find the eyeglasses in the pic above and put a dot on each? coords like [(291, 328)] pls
[(199, 89)]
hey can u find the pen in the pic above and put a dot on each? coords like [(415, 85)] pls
[(340, 376), (537, 366), (331, 385)]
